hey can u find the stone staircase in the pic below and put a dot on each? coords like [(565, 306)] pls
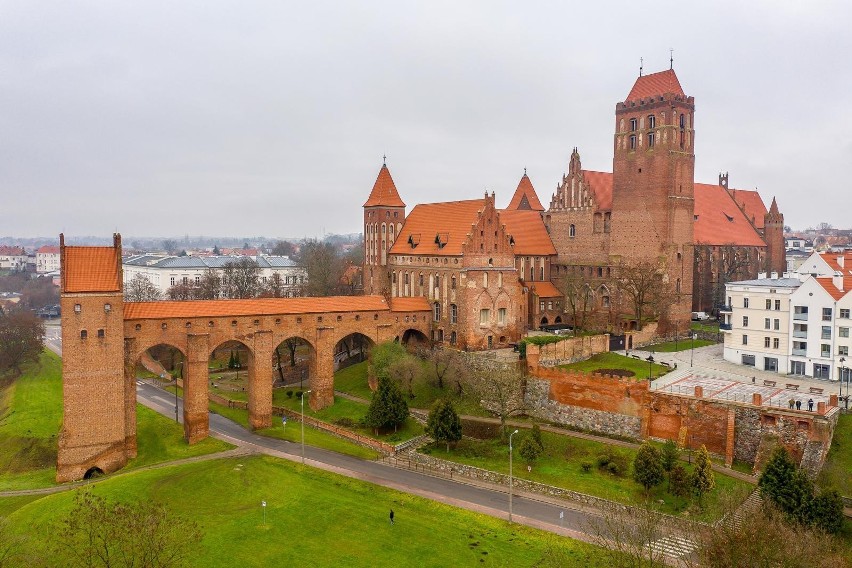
[(674, 546), (749, 508)]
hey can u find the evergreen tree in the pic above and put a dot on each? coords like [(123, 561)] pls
[(648, 466), (388, 407), (669, 456), (702, 477), (826, 511), (231, 363), (444, 423), (529, 450), (535, 435), (679, 481), (780, 484)]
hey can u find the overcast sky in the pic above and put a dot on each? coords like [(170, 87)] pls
[(255, 118)]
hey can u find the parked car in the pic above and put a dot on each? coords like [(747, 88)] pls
[(700, 316)]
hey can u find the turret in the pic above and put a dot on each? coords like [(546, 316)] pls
[(384, 214)]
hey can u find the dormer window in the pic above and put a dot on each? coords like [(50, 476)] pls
[(441, 239), (414, 240)]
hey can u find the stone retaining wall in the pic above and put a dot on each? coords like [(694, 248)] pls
[(572, 349)]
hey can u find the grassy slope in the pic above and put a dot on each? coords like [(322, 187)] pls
[(837, 471), (28, 435), (682, 345), (561, 466), (224, 497), (615, 361)]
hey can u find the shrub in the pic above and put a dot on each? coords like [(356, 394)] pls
[(529, 450), (345, 422), (289, 394), (679, 481), (603, 460), (587, 466)]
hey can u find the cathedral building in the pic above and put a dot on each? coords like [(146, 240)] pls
[(491, 274)]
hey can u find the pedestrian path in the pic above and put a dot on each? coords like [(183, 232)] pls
[(674, 546)]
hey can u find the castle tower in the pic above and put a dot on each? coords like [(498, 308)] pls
[(653, 184), (525, 198), (97, 431), (384, 214), (773, 234)]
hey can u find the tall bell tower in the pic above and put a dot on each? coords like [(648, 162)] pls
[(653, 187), (384, 215)]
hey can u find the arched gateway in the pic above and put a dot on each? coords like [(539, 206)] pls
[(103, 337)]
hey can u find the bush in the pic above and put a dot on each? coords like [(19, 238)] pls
[(613, 462), (587, 466), (603, 460), (679, 481), (345, 422), (289, 394), (529, 450)]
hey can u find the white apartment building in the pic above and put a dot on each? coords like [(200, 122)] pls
[(756, 322), (167, 271), (817, 323), (47, 259), (13, 258)]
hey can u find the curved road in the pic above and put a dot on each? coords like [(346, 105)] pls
[(491, 500)]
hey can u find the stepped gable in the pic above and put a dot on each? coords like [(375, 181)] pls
[(384, 191), (654, 85), (720, 221), (437, 228), (525, 197), (752, 205)]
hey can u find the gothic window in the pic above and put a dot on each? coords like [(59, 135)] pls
[(437, 311), (652, 121), (682, 121), (633, 142), (406, 278), (572, 231), (607, 222), (394, 277), (633, 124), (452, 338), (651, 139), (453, 283), (454, 313), (542, 274), (421, 279), (501, 316), (532, 273)]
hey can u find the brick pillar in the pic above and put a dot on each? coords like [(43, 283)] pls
[(533, 352), (196, 422), (730, 438), (130, 398), (757, 399), (699, 392), (322, 381), (821, 408), (260, 381), (832, 400)]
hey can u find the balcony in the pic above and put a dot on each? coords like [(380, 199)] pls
[(800, 352), (800, 317), (725, 309), (800, 334), (725, 326)]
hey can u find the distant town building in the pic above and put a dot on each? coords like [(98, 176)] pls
[(47, 259), (13, 258), (167, 271)]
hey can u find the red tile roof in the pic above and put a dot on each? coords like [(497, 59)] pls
[(528, 230), (384, 191), (12, 251), (544, 289), (413, 304), (450, 219), (654, 85), (48, 249), (719, 220), (253, 306), (753, 205), (600, 183), (828, 284), (91, 269), (830, 258), (525, 196)]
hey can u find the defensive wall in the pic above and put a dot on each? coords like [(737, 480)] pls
[(745, 430)]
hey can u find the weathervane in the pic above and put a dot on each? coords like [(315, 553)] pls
[(641, 64), (671, 58), (384, 160)]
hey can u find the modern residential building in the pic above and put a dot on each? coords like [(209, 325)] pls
[(167, 271), (811, 309), (47, 259)]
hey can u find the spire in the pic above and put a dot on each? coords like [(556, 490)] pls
[(525, 196), (384, 190), (773, 209)]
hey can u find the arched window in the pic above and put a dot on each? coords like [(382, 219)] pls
[(454, 313), (437, 311), (572, 231), (633, 124), (652, 121), (453, 283), (452, 338)]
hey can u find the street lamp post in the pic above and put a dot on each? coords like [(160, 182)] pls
[(650, 369), (510, 474), (303, 423), (842, 377), (692, 351)]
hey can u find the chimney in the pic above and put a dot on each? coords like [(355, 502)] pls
[(840, 260), (837, 280)]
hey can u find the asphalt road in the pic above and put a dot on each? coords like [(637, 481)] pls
[(494, 502)]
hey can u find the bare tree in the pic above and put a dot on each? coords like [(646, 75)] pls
[(629, 536), (642, 284), (181, 291), (21, 339), (501, 391), (170, 246), (406, 370), (140, 289), (241, 279), (209, 287), (578, 296), (324, 268), (443, 362), (274, 287), (284, 248)]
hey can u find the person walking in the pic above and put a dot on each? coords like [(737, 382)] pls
[(391, 516)]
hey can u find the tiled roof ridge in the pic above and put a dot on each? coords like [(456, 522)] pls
[(655, 84), (526, 190)]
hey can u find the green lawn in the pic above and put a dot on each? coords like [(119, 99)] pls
[(616, 361), (837, 471), (353, 380), (314, 518), (31, 408), (562, 466), (681, 345), (293, 433), (709, 326)]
